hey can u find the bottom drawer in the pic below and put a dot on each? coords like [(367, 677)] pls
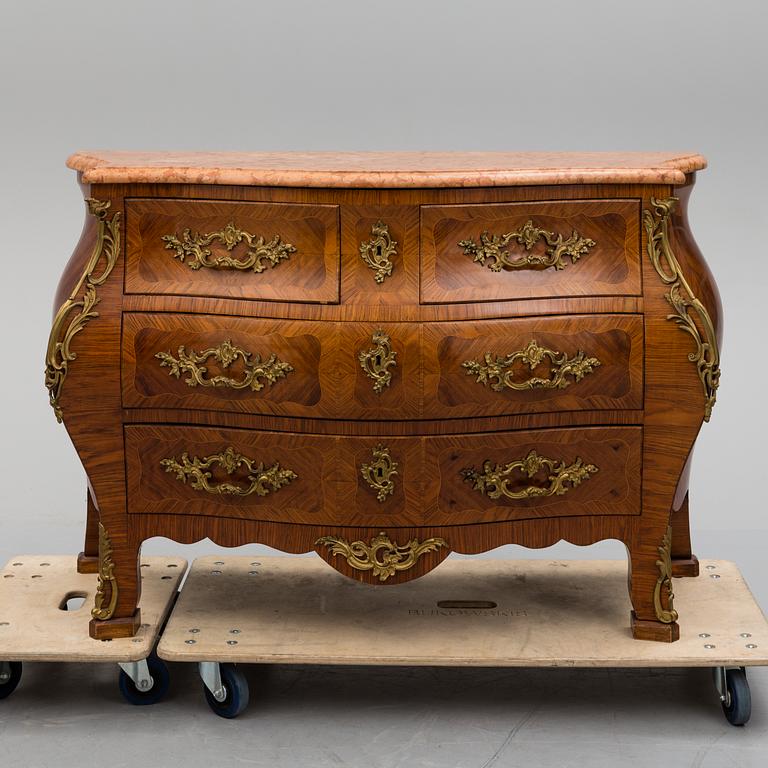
[(386, 481)]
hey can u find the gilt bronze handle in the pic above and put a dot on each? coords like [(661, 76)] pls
[(493, 248), (496, 480), (226, 353), (499, 373), (261, 480), (193, 249)]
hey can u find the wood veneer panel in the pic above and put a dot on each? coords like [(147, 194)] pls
[(310, 274), (611, 266), (614, 489), (615, 341)]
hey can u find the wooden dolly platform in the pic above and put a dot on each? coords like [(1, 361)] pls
[(467, 612), (37, 623)]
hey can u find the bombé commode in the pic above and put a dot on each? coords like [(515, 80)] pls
[(386, 358)]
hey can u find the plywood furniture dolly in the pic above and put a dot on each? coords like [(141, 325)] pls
[(38, 623), (469, 612)]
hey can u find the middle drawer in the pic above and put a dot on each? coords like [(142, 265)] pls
[(388, 371)]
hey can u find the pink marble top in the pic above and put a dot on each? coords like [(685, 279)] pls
[(385, 169)]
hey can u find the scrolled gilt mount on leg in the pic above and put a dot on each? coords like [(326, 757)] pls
[(662, 593), (105, 601), (78, 309), (687, 307)]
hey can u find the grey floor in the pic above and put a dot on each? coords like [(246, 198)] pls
[(374, 717)]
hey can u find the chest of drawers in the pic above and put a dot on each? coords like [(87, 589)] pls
[(386, 358)]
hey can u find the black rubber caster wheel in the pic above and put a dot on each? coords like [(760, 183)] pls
[(9, 686), (236, 690), (738, 706), (162, 680)]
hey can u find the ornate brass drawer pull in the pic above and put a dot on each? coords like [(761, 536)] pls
[(380, 472), (499, 373), (376, 362), (225, 354), (261, 480), (192, 249), (377, 251), (496, 481), (494, 248), (382, 556), (682, 299)]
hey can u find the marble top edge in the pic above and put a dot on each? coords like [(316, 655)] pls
[(384, 169)]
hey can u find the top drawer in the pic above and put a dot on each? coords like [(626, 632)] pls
[(273, 251), (530, 250)]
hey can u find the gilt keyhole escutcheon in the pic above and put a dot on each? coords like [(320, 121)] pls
[(378, 252)]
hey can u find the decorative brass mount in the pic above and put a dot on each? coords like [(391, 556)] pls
[(706, 356), (80, 310), (376, 362), (495, 480), (225, 354), (498, 371), (382, 556), (494, 247), (377, 251), (192, 249), (261, 481), (105, 601), (379, 474), (664, 582)]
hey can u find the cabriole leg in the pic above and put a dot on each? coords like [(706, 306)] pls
[(650, 587), (115, 612)]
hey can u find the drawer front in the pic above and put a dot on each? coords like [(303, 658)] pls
[(530, 250), (273, 251), (533, 365), (286, 368), (536, 474), (272, 476), (229, 473), (383, 482)]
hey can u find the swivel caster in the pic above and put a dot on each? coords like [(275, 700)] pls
[(144, 682), (10, 674), (732, 685), (225, 688)]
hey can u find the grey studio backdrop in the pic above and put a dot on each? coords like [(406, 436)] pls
[(401, 74)]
